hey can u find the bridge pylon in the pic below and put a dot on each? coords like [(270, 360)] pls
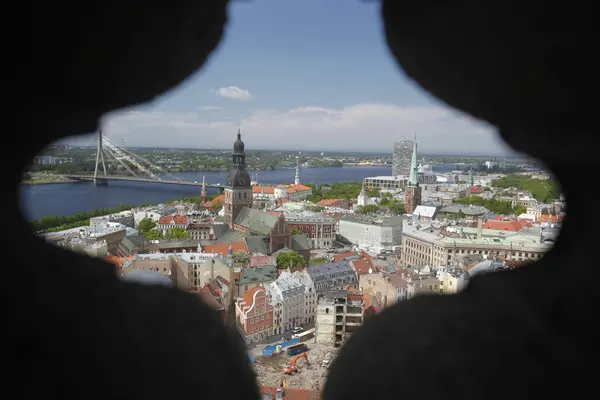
[(100, 156)]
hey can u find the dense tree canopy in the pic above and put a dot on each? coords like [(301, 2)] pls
[(177, 232), (289, 259), (154, 234), (146, 225), (494, 205), (340, 190), (543, 190)]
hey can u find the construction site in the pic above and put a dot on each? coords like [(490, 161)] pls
[(307, 370), (304, 361)]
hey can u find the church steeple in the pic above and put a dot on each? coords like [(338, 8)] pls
[(297, 177), (412, 191), (413, 179), (239, 157)]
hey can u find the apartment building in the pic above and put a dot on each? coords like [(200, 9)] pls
[(333, 276), (377, 232), (188, 271), (319, 229), (254, 315), (424, 245), (339, 314), (286, 294)]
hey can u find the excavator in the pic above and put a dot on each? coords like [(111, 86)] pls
[(291, 368)]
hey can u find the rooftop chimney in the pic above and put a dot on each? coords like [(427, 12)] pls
[(479, 227)]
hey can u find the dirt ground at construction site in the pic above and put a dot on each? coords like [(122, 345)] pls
[(311, 375)]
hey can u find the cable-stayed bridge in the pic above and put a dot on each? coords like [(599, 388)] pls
[(139, 169)]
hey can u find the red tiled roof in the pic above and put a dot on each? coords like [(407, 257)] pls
[(219, 199), (117, 261), (297, 188), (546, 218), (267, 189), (511, 226), (330, 202), (259, 261), (362, 254), (223, 248), (248, 297), (174, 219), (362, 266), (222, 281)]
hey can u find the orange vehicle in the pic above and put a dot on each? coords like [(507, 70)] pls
[(291, 368)]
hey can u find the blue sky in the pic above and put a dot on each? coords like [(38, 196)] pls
[(301, 75)]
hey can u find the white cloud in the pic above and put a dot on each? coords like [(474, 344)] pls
[(234, 92), (210, 108), (362, 127)]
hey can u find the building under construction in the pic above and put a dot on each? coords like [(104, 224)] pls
[(339, 314)]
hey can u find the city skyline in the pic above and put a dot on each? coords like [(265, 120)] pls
[(301, 90)]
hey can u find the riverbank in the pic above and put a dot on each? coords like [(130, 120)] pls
[(48, 182)]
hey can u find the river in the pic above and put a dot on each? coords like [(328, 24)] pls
[(38, 201)]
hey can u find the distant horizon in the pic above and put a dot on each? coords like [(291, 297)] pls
[(348, 152)]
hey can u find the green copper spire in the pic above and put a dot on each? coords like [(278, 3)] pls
[(413, 179)]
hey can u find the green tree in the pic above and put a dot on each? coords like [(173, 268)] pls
[(177, 232), (396, 207), (385, 201), (289, 259), (374, 192), (240, 257), (146, 225), (520, 210), (154, 234), (296, 231), (543, 190), (460, 214), (368, 209)]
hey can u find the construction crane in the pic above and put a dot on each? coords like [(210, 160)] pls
[(291, 368)]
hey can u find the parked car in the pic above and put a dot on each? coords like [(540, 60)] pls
[(297, 329)]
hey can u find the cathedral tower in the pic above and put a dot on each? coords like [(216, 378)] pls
[(297, 177), (412, 191), (238, 192)]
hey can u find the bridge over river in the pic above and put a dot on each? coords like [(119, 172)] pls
[(104, 179)]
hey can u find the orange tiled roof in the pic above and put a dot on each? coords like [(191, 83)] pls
[(329, 202), (223, 248), (363, 266), (297, 188), (175, 219), (222, 280), (259, 261), (248, 297), (548, 218), (117, 261), (259, 189), (511, 226), (220, 199), (362, 254)]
